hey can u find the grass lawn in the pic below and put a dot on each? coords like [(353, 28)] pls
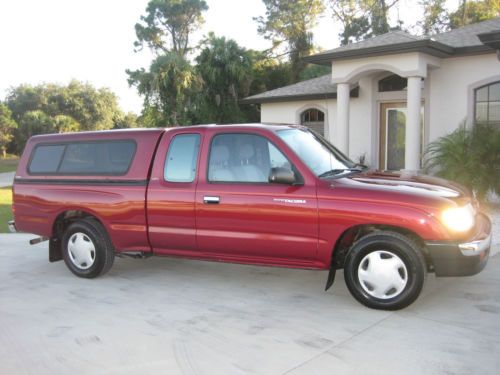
[(9, 164), (5, 208)]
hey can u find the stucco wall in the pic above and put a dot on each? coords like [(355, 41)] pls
[(451, 90), (360, 119), (448, 96)]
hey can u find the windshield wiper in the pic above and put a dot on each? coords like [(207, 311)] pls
[(339, 172)]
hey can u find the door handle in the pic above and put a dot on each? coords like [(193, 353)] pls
[(209, 199)]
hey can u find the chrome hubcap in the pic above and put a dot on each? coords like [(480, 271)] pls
[(81, 250), (382, 274)]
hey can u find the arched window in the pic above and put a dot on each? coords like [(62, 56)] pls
[(487, 104), (392, 83), (314, 119)]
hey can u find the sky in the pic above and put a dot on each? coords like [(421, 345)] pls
[(92, 40)]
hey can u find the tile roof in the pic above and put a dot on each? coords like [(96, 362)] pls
[(450, 43), (392, 37), (467, 36), (320, 85)]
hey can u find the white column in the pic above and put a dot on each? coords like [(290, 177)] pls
[(413, 136), (341, 136)]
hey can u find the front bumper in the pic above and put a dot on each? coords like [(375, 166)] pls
[(12, 226), (462, 258)]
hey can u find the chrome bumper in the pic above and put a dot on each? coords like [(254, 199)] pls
[(474, 248), (462, 258)]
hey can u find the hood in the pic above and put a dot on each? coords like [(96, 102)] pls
[(414, 184), (403, 188)]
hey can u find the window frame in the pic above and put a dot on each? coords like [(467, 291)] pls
[(298, 175), (487, 122), (66, 144), (196, 163)]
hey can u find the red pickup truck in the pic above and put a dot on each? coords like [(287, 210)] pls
[(254, 194)]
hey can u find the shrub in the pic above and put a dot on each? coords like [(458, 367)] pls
[(468, 156)]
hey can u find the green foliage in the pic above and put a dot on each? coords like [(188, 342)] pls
[(170, 84), (168, 24), (474, 11), (268, 73), (289, 23), (33, 123), (49, 108), (127, 121), (166, 87), (436, 18), (313, 71), (226, 72), (362, 19), (7, 127), (470, 157)]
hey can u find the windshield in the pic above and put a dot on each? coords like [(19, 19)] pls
[(316, 152)]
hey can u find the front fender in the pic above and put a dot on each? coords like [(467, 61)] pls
[(337, 216)]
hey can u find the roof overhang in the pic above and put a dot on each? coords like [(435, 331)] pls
[(293, 98), (491, 39), (428, 46)]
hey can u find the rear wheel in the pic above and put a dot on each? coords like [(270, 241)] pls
[(87, 249), (385, 270)]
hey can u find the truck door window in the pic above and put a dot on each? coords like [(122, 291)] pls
[(182, 157), (243, 158)]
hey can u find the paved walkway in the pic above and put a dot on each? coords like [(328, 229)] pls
[(175, 316), (6, 179)]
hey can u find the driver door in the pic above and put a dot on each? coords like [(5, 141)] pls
[(241, 216)]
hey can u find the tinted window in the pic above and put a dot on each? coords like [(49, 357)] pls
[(180, 164), (98, 158), (84, 158), (46, 159), (243, 158)]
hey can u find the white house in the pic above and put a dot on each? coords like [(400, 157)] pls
[(388, 97)]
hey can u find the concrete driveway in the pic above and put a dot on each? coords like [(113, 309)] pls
[(176, 316), (6, 179)]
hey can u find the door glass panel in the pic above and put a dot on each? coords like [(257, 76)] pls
[(396, 128), (243, 158), (180, 165)]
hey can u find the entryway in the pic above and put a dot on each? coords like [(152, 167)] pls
[(392, 135)]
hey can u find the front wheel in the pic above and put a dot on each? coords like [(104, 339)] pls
[(385, 270), (87, 249)]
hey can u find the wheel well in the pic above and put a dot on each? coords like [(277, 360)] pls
[(61, 222), (351, 235), (64, 219)]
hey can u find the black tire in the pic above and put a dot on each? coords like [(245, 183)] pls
[(386, 245), (103, 254)]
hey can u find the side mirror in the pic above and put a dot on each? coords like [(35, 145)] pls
[(282, 176)]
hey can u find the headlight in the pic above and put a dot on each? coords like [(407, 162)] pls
[(458, 219)]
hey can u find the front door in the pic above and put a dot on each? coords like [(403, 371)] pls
[(393, 136), (243, 217)]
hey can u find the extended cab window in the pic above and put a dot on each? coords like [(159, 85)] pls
[(243, 158), (182, 157), (83, 158)]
